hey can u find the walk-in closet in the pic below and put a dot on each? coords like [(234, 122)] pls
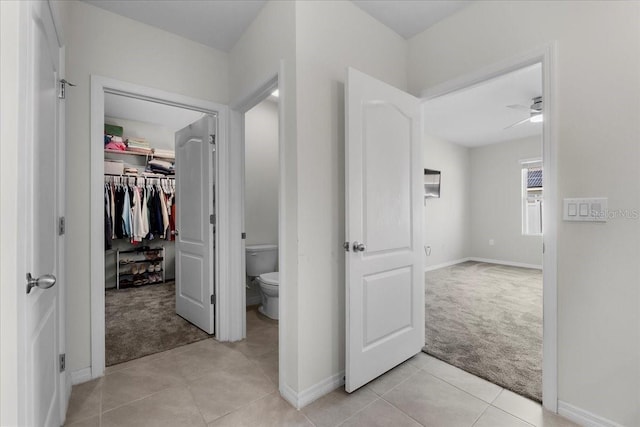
[(140, 222)]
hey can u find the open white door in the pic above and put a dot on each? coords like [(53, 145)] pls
[(384, 273), (195, 189), (41, 174)]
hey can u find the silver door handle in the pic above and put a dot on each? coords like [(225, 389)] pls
[(43, 282), (175, 232), (359, 247)]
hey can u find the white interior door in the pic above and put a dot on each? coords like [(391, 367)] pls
[(195, 160), (384, 273), (42, 304)]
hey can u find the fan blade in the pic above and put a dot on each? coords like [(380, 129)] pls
[(520, 107), (518, 123)]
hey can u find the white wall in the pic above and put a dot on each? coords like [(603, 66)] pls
[(102, 43), (12, 297), (268, 43), (261, 174), (496, 202), (446, 223), (331, 35), (598, 64)]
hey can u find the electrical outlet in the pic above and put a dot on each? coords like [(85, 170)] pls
[(492, 242), (427, 250)]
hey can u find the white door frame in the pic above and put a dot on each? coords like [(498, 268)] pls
[(223, 291), (238, 110), (546, 55), (17, 115)]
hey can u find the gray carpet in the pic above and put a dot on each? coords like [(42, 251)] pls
[(142, 321), (487, 320)]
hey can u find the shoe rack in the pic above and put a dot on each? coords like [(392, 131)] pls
[(140, 266)]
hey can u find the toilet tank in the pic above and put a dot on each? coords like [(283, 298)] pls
[(261, 259)]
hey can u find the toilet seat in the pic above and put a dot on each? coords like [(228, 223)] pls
[(272, 279)]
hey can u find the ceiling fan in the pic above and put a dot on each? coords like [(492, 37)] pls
[(535, 112)]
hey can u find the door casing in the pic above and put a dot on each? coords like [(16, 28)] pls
[(546, 55), (223, 276)]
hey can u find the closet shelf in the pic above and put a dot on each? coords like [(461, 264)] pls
[(140, 261), (133, 153), (143, 274), (140, 250)]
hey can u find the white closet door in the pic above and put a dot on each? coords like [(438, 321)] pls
[(194, 231), (384, 193), (42, 198)]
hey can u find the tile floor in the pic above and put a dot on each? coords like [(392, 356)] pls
[(213, 384)]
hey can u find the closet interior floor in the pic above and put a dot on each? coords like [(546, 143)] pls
[(142, 320)]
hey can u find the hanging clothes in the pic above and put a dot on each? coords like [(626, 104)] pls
[(136, 211)]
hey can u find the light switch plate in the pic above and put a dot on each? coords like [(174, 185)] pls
[(592, 209)]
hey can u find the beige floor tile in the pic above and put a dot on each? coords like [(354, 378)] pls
[(131, 363), (338, 406), (529, 411), (220, 392), (465, 381), (255, 319), (139, 381), (386, 382), (270, 411), (259, 341), (171, 407), (550, 419), (380, 414), (88, 422), (419, 360), (207, 357), (269, 364), (435, 403), (494, 417), (85, 401)]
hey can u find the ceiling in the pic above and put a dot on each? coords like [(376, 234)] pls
[(220, 23), (410, 17), (215, 23), (477, 116), (167, 116)]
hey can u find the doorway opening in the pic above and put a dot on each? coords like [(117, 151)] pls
[(261, 223), (490, 139), (157, 285), (147, 306)]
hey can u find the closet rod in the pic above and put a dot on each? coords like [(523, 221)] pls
[(136, 178)]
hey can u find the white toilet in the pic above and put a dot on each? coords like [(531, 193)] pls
[(262, 263)]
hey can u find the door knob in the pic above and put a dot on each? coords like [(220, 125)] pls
[(43, 282), (359, 247)]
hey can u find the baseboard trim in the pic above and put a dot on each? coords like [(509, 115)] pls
[(582, 417), (445, 264), (290, 395), (313, 393), (81, 376), (501, 262)]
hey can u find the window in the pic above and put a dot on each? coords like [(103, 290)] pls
[(532, 197)]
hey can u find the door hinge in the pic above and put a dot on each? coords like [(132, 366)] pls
[(212, 140), (61, 226), (62, 94), (62, 361), (243, 236), (212, 219), (213, 299)]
